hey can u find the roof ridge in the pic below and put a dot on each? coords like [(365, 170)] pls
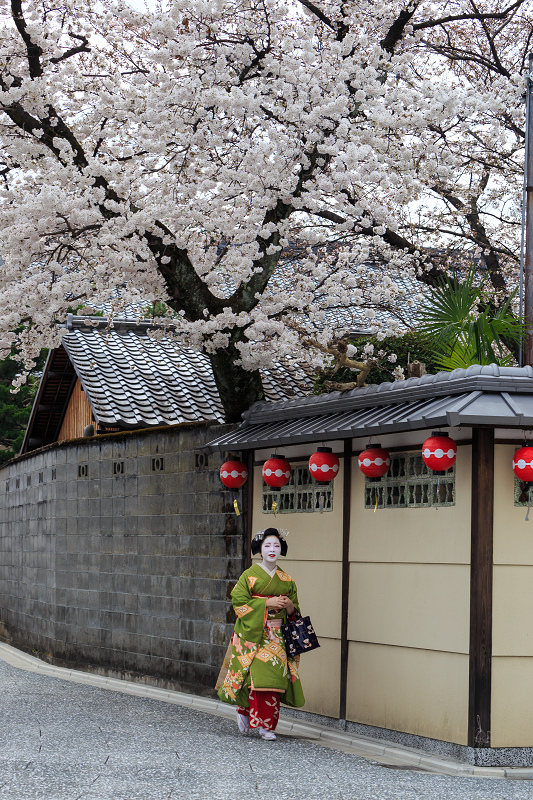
[(488, 378), (79, 323)]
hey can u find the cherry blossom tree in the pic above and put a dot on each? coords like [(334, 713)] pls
[(181, 154)]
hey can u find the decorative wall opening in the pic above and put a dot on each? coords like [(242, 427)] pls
[(201, 461), (410, 484), (301, 494), (521, 493)]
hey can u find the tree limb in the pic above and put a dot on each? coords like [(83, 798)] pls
[(33, 50)]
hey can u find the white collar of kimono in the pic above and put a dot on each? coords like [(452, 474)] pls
[(268, 571)]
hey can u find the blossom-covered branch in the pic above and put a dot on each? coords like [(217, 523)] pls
[(185, 155)]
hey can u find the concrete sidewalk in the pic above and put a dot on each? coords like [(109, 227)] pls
[(69, 735)]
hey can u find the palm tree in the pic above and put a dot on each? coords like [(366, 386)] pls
[(465, 327)]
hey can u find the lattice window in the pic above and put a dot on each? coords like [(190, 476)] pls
[(410, 484), (300, 495)]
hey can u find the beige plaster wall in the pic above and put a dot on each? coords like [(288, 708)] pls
[(417, 691), (423, 606), (312, 536), (408, 607), (409, 610), (314, 561), (320, 675), (511, 723), (512, 627), (418, 535), (513, 536), (512, 607)]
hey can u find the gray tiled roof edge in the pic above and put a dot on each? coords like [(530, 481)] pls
[(490, 378)]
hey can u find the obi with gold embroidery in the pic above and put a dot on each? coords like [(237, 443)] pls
[(258, 658)]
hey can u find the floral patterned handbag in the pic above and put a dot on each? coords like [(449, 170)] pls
[(299, 635)]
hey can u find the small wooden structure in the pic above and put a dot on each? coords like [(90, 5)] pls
[(419, 587)]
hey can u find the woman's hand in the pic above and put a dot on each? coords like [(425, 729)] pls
[(286, 604), (276, 603), (280, 603)]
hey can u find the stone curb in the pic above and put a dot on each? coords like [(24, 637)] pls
[(380, 751)]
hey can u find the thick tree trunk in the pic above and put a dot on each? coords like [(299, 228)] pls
[(237, 387)]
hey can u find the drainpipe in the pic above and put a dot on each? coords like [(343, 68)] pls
[(528, 197)]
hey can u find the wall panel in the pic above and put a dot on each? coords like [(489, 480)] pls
[(417, 691)]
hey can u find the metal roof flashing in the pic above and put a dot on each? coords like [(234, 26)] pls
[(479, 395)]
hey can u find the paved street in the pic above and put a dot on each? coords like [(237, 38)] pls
[(68, 741)]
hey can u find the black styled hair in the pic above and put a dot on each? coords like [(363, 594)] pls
[(259, 538)]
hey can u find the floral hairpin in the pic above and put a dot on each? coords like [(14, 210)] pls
[(260, 535)]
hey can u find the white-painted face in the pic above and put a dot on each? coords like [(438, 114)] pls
[(270, 549)]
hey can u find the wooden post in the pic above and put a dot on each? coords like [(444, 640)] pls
[(479, 711), (345, 574)]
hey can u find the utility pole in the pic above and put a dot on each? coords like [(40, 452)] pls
[(528, 207)]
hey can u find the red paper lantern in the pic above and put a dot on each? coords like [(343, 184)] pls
[(439, 452), (374, 462), (323, 465), (276, 471), (233, 474), (523, 464)]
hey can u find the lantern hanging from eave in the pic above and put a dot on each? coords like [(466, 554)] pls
[(523, 464), (374, 462), (276, 471), (324, 465), (233, 474), (439, 452)]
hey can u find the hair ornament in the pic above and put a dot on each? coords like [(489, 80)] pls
[(260, 535)]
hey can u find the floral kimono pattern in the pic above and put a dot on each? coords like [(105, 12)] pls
[(258, 656)]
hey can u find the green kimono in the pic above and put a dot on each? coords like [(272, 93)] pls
[(258, 655)]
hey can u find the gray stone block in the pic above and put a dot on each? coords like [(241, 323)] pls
[(144, 525), (145, 607)]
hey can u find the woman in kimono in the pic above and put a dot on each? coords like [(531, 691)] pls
[(260, 675)]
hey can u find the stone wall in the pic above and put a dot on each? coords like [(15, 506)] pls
[(119, 552)]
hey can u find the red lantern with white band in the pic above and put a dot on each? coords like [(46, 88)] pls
[(324, 465), (233, 474), (374, 462), (276, 471), (439, 452), (523, 464)]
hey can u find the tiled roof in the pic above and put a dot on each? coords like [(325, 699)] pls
[(134, 381), (480, 395)]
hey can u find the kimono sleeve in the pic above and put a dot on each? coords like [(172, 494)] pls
[(250, 611), (292, 594)]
